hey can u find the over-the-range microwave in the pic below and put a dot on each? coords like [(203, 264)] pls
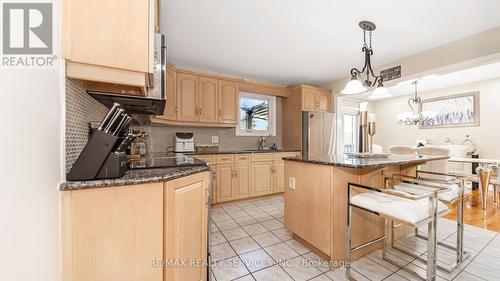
[(154, 100)]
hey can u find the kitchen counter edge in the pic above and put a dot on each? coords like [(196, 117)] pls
[(366, 163), (134, 177)]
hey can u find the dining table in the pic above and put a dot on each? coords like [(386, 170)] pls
[(484, 173)]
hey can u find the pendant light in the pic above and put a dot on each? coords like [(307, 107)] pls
[(424, 118), (361, 80)]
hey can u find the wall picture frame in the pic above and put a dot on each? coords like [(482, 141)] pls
[(460, 110)]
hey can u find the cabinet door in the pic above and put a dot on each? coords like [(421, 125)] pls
[(308, 102), (112, 33), (323, 101), (208, 99), (187, 92), (170, 112), (186, 220), (225, 190), (279, 176), (112, 233), (228, 102), (242, 180), (261, 178)]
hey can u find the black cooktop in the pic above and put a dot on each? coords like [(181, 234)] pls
[(166, 162)]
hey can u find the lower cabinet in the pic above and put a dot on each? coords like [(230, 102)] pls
[(261, 179), (112, 233), (242, 180), (279, 176), (186, 222), (137, 232), (225, 183), (242, 176)]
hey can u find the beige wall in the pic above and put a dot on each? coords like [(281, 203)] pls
[(486, 136)]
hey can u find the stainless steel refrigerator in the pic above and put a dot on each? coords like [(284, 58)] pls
[(318, 133)]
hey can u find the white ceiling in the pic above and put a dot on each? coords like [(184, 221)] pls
[(306, 41)]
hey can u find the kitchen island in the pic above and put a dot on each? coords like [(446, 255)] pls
[(316, 200)]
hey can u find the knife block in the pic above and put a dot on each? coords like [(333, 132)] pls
[(95, 153)]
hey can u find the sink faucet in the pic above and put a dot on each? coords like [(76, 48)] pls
[(261, 143)]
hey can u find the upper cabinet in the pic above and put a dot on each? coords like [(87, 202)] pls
[(199, 100), (208, 100), (109, 41), (228, 96), (187, 96), (314, 99)]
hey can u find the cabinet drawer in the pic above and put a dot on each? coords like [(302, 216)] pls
[(210, 159), (242, 158), (262, 157), (225, 158)]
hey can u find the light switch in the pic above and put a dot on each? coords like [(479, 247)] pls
[(291, 183), (215, 139)]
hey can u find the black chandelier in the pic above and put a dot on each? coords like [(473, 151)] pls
[(362, 79)]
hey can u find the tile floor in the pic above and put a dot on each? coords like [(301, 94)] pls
[(250, 242)]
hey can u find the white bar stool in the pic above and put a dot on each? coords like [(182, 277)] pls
[(456, 193), (414, 210)]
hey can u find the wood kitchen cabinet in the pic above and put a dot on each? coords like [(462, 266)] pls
[(170, 112), (225, 182), (279, 176), (261, 178), (242, 176), (112, 233), (187, 97), (128, 232), (228, 102), (109, 41), (186, 222), (315, 99), (208, 100)]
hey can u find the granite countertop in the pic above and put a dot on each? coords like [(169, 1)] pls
[(139, 176), (242, 151), (366, 163)]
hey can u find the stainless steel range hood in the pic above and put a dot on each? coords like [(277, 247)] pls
[(154, 100)]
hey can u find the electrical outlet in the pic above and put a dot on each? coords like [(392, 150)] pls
[(215, 139), (291, 183)]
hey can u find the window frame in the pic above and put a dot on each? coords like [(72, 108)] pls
[(272, 116), (352, 111)]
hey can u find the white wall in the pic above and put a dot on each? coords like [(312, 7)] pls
[(30, 170), (486, 136)]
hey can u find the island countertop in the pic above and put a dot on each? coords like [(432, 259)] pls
[(366, 163)]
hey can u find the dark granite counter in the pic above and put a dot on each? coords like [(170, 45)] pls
[(139, 176), (366, 163), (243, 151)]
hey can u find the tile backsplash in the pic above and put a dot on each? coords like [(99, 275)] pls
[(80, 110), (161, 138)]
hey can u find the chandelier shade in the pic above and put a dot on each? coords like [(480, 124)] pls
[(424, 118), (353, 87)]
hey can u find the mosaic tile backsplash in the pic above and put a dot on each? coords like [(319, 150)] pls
[(80, 110)]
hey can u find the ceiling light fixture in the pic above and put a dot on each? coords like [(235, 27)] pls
[(424, 118), (361, 79)]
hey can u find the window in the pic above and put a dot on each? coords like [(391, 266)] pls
[(257, 115), (349, 130)]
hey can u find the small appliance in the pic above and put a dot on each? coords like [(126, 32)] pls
[(184, 142)]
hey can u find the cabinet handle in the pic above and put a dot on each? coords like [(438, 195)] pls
[(176, 109), (220, 112), (200, 110)]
